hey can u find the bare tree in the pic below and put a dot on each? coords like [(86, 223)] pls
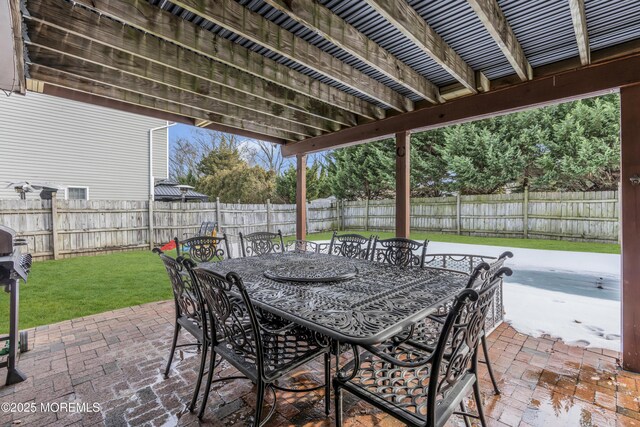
[(266, 155), (187, 153)]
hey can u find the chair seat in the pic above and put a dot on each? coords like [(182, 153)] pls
[(282, 351), (402, 391), (192, 326)]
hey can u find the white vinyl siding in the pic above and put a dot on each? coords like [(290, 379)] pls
[(50, 139)]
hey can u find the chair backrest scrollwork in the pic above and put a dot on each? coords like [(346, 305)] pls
[(399, 251), (350, 245), (187, 297), (458, 342), (261, 243), (204, 248)]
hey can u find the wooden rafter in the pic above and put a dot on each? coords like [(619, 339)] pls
[(95, 91), (81, 48), (493, 19), (152, 20), (14, 10), (121, 80), (405, 18), (579, 18), (250, 25), (90, 25), (565, 86), (330, 26), (90, 98)]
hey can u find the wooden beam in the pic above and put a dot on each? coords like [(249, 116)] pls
[(301, 197), (403, 184), (491, 16), (630, 207), (411, 25), (202, 123), (16, 26), (58, 40), (87, 98), (152, 20), (579, 83), (92, 26), (121, 80), (250, 25), (147, 103), (579, 18), (330, 26)]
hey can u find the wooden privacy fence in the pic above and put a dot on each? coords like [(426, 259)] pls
[(581, 216), (63, 228)]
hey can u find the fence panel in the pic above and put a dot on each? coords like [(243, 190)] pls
[(88, 227)]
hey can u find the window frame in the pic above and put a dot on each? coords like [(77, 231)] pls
[(84, 187)]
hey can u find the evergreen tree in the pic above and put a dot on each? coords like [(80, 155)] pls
[(584, 152), (317, 187), (363, 171)]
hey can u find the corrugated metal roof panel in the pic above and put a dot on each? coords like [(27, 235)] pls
[(543, 28), (609, 26)]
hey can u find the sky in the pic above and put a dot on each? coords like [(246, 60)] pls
[(180, 130)]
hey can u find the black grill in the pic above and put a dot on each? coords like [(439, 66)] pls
[(14, 266)]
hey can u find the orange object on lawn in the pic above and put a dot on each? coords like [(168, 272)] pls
[(169, 246)]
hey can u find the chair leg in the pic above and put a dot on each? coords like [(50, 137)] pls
[(176, 332), (327, 383), (478, 399), (487, 361), (464, 410), (203, 363), (259, 402), (207, 387), (337, 396)]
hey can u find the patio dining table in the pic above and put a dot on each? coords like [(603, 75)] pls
[(350, 300)]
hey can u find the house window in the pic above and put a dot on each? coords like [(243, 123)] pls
[(78, 193)]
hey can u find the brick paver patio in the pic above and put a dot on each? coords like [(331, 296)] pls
[(115, 359)]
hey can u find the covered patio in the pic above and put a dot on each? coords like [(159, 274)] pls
[(115, 359), (313, 76)]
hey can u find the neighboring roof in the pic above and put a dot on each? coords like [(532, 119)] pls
[(166, 191)]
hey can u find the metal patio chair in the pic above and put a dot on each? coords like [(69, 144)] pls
[(418, 386), (261, 243), (398, 251), (263, 348), (350, 245), (204, 248), (301, 246), (190, 312), (481, 269)]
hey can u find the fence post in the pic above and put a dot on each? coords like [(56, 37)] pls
[(150, 213), (54, 225), (366, 214), (525, 212), (269, 215), (218, 214), (458, 217), (341, 223)]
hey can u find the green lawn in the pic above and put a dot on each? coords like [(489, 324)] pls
[(554, 245), (76, 287)]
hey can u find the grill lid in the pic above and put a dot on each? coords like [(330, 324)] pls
[(7, 240)]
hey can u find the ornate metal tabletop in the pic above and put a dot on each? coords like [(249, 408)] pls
[(377, 303)]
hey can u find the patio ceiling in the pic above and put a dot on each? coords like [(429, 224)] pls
[(316, 74)]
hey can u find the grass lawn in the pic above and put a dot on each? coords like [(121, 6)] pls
[(553, 245), (77, 287)]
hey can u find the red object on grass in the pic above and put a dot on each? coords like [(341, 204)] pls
[(169, 246)]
